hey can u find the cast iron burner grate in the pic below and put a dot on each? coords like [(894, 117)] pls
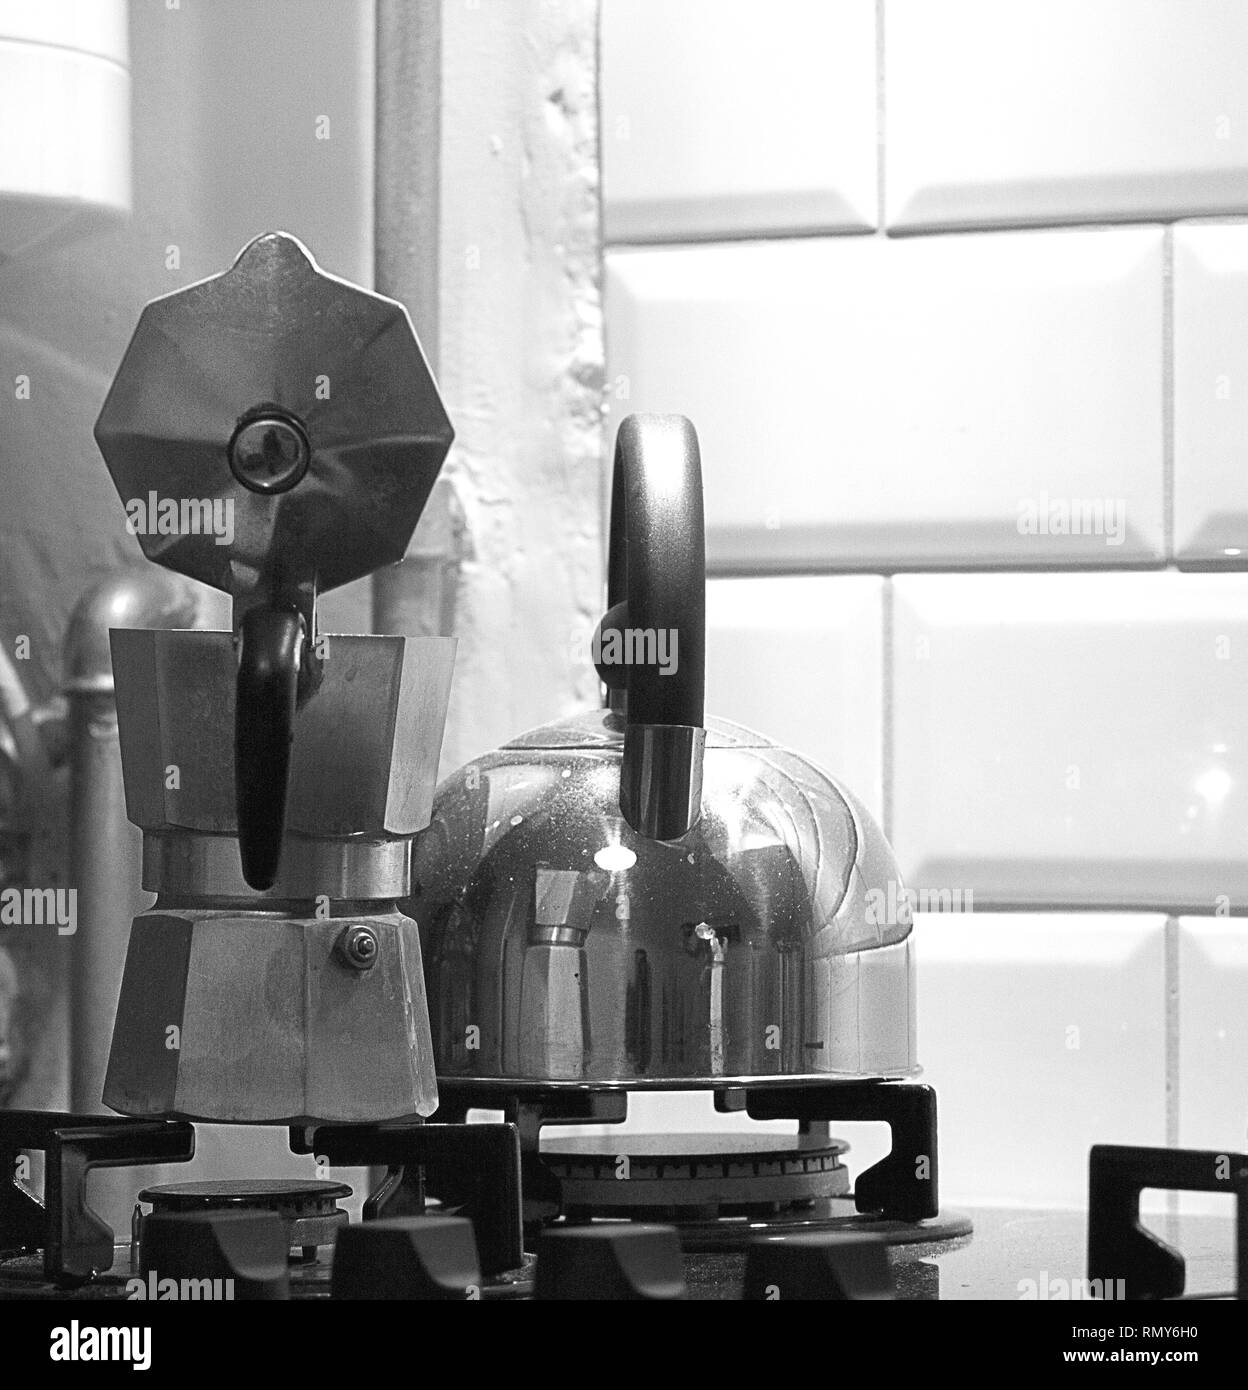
[(902, 1187)]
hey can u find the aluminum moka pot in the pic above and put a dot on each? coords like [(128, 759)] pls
[(278, 772), (641, 896)]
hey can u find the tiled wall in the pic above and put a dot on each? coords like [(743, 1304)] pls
[(958, 301)]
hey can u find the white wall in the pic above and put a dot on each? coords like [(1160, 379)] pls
[(926, 274)]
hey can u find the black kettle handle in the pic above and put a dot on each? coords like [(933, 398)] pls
[(270, 648), (656, 589)]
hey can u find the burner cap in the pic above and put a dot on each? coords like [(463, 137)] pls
[(261, 1193), (311, 1206)]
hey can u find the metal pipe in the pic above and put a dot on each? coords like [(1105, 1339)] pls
[(105, 850), (417, 596)]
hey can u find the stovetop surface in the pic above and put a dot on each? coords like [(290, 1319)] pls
[(1016, 1253), (1013, 1253), (1049, 1248)]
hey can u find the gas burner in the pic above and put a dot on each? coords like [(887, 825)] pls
[(694, 1177), (724, 1192), (311, 1207)]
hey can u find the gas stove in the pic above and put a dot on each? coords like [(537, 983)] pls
[(503, 1211), (513, 1209)]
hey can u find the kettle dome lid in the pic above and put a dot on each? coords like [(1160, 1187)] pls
[(604, 728)]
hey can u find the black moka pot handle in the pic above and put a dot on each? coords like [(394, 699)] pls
[(270, 649), (651, 646)]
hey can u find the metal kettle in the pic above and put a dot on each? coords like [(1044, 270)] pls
[(642, 896)]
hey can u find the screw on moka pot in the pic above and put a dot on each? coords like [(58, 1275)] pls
[(275, 432)]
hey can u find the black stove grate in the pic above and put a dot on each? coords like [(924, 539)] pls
[(77, 1243), (1120, 1249)]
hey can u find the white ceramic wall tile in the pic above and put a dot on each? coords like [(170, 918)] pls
[(1043, 1035), (1211, 394), (1076, 112), (1213, 1041), (801, 659), (721, 118), (866, 403), (1073, 739)]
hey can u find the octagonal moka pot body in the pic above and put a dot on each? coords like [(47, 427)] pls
[(278, 774), (276, 1014), (644, 897)]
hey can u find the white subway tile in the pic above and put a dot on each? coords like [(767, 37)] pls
[(721, 118), (1077, 111), (1043, 1035), (1211, 394), (1213, 1039), (866, 403), (1071, 739), (801, 659)]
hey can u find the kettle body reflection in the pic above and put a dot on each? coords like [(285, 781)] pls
[(642, 896)]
